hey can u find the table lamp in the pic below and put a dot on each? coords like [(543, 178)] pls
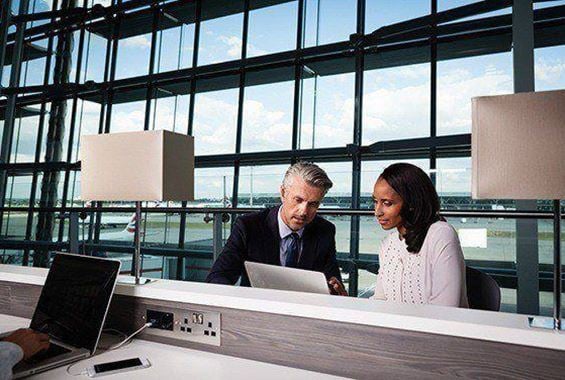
[(137, 166), (518, 152)]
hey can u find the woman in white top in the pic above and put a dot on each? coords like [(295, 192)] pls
[(421, 261)]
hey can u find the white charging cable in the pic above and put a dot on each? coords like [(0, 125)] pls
[(114, 347)]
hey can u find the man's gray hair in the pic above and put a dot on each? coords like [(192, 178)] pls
[(310, 173)]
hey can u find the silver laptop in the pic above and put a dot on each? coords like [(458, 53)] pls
[(283, 278), (71, 310)]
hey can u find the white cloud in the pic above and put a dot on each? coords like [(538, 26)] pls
[(214, 125), (234, 43), (403, 111), (550, 70), (142, 42)]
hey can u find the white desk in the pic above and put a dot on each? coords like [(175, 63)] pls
[(170, 362), (474, 324)]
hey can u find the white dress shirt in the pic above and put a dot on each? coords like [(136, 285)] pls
[(435, 275)]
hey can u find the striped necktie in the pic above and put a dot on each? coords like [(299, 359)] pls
[(292, 251)]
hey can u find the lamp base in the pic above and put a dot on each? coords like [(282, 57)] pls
[(130, 280), (545, 323)]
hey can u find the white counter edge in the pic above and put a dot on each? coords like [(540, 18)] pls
[(473, 324)]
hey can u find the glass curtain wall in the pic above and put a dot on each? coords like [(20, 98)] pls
[(352, 85)]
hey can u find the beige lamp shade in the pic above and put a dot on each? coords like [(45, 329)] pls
[(137, 166), (518, 146)]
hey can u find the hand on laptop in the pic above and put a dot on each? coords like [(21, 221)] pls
[(31, 342), (337, 287)]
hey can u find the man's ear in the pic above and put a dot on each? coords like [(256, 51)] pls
[(282, 191)]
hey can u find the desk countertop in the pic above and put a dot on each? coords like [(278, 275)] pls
[(171, 362), (474, 324)]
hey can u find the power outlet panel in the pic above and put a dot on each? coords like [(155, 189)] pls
[(191, 325)]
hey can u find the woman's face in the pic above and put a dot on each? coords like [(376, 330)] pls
[(387, 205)]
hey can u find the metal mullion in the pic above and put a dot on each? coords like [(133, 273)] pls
[(5, 20), (109, 99), (113, 63), (433, 90), (196, 46), (356, 154), (183, 216), (33, 192), (150, 85), (527, 236), (72, 125), (241, 98), (8, 130), (71, 24), (297, 76)]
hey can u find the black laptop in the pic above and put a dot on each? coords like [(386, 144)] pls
[(71, 310)]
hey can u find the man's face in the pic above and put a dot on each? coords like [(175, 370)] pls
[(300, 203)]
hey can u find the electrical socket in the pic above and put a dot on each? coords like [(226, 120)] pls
[(190, 325)]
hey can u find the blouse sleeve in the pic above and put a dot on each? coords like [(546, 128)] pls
[(448, 270), (379, 290)]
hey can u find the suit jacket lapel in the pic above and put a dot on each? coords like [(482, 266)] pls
[(272, 240)]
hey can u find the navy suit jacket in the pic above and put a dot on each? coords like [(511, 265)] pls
[(255, 237)]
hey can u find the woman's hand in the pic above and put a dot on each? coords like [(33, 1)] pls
[(337, 287)]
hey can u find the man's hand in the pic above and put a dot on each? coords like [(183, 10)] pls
[(30, 341), (337, 287)]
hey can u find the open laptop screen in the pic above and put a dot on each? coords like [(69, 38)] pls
[(75, 298)]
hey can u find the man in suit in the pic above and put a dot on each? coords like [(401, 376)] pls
[(289, 235)]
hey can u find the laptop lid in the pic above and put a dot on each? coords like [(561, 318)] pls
[(75, 299), (283, 278)]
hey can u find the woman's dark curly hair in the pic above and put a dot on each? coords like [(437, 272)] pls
[(420, 208)]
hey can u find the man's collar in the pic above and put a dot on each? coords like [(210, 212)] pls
[(285, 230)]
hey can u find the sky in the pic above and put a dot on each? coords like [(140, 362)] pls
[(396, 101)]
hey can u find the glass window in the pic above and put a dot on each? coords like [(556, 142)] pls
[(453, 184), (386, 12), (94, 58), (444, 5), (24, 138), (215, 122), (267, 117), (86, 123), (396, 103), (326, 118), (550, 68), (220, 38), (175, 47), (459, 80), (481, 238), (272, 29), (340, 193), (128, 117), (259, 185), (328, 21), (161, 229), (32, 71), (133, 56), (213, 187), (170, 113)]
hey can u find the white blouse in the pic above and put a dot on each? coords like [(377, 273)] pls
[(435, 275)]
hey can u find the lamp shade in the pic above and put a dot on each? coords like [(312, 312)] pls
[(137, 166), (518, 146)]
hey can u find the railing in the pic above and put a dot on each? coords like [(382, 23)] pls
[(505, 272)]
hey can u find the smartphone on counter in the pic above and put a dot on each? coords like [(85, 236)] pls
[(110, 368)]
